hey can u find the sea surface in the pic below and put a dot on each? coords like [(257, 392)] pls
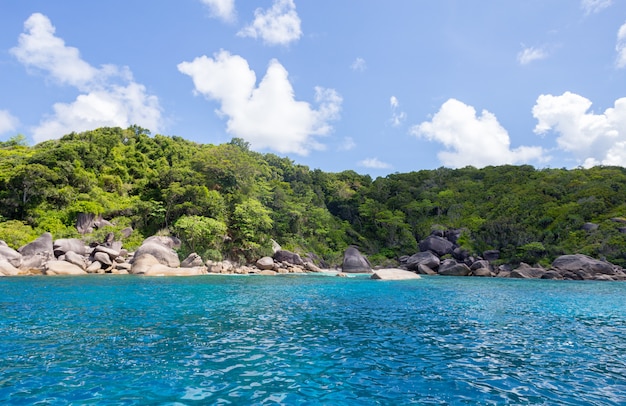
[(310, 340)]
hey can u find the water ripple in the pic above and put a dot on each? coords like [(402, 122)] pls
[(311, 340)]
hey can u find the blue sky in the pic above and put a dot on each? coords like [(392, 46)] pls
[(376, 87)]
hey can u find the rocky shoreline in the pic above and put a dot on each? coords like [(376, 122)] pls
[(157, 256)]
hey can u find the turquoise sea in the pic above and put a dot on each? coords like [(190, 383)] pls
[(241, 340)]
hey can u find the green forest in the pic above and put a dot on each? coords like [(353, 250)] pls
[(228, 202)]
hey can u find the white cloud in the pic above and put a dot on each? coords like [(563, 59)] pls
[(397, 117), (8, 122), (374, 163), (472, 140), (116, 106), (531, 54), (110, 95), (358, 65), (40, 48), (278, 25), (222, 9), (594, 139), (267, 115), (347, 144), (620, 47), (595, 6)]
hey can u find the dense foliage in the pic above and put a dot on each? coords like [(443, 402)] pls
[(228, 201)]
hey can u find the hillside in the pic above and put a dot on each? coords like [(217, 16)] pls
[(225, 201)]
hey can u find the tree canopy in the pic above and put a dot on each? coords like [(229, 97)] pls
[(228, 201)]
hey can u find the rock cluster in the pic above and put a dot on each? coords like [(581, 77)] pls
[(156, 256), (440, 255)]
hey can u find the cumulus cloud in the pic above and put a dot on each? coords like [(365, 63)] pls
[(472, 140), (278, 25), (620, 47), (374, 163), (397, 116), (8, 122), (39, 48), (531, 54), (593, 139), (222, 9), (595, 6), (110, 96), (359, 65), (267, 115), (115, 106)]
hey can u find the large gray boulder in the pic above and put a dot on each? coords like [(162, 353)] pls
[(311, 267), (450, 267), (424, 270), (483, 263), (149, 265), (394, 274), (551, 274), (62, 268), (426, 258), (76, 259), (438, 245), (164, 254), (34, 264), (355, 262), (527, 272), (583, 266), (110, 252), (193, 260), (482, 272), (64, 245), (265, 263), (7, 269), (11, 256), (287, 256), (41, 246)]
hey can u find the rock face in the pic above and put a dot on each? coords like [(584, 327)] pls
[(62, 268), (527, 272), (63, 245), (41, 246), (162, 252), (11, 256), (450, 267), (7, 269), (288, 257), (355, 262), (394, 274), (437, 245), (192, 260), (580, 262), (149, 265), (426, 258), (265, 263), (579, 266), (485, 272)]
